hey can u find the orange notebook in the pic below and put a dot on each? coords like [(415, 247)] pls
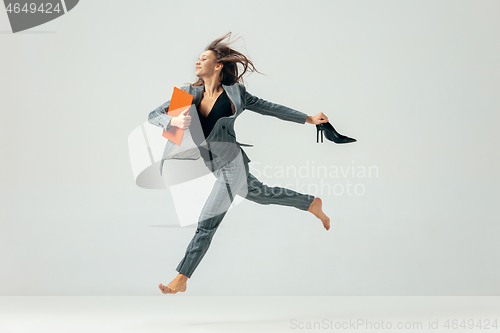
[(178, 103)]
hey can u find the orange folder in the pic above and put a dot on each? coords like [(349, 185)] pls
[(178, 103)]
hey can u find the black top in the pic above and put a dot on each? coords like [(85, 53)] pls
[(221, 108)]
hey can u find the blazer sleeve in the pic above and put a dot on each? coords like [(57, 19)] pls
[(264, 107), (159, 116)]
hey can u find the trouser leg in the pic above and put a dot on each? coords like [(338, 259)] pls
[(265, 195), (230, 179)]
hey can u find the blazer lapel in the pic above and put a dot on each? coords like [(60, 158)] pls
[(197, 92), (232, 92)]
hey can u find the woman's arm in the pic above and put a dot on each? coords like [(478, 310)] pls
[(264, 107), (159, 116)]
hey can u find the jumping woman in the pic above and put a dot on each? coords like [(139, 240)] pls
[(219, 98)]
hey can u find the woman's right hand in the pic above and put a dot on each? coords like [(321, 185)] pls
[(182, 121)]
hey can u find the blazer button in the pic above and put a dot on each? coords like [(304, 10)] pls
[(223, 126)]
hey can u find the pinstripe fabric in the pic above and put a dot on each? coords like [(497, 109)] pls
[(230, 167), (233, 179)]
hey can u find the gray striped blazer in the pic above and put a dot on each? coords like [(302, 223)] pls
[(221, 142)]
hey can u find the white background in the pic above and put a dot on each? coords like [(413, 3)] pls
[(416, 83)]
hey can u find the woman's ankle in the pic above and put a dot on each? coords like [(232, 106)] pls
[(182, 277)]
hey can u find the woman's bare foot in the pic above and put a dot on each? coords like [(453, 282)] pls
[(176, 285), (317, 211)]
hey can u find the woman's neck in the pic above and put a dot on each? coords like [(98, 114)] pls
[(212, 88)]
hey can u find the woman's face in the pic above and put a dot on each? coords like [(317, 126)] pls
[(206, 65)]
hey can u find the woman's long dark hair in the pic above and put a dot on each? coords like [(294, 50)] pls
[(230, 58)]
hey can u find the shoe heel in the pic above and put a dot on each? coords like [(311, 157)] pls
[(318, 130)]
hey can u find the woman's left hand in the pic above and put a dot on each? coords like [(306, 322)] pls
[(317, 119)]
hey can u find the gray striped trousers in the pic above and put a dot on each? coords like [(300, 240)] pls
[(233, 178)]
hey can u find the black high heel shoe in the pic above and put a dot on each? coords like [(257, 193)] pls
[(331, 134)]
